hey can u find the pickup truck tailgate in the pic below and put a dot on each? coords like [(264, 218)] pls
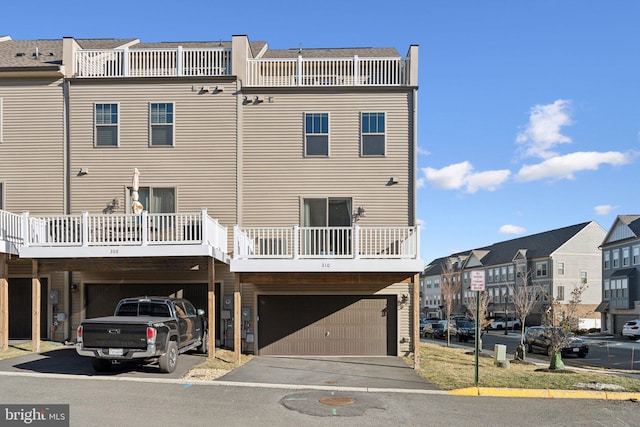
[(105, 333)]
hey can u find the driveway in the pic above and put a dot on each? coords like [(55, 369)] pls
[(66, 361), (361, 372), (367, 372)]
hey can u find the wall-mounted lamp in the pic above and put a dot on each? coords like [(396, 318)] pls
[(404, 298), (258, 99), (359, 213), (393, 180), (83, 171), (74, 287)]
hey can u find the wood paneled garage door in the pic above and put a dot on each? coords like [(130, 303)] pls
[(327, 325)]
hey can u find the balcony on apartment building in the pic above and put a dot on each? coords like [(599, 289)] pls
[(326, 249), (260, 72), (113, 235), (255, 249)]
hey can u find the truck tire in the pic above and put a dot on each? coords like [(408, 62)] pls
[(101, 365), (203, 348), (169, 360)]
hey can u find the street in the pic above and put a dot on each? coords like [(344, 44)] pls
[(109, 401), (603, 352)]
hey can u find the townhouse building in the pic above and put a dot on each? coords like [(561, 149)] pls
[(555, 261), (274, 188), (620, 268)]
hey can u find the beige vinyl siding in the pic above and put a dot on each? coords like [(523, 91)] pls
[(201, 165), (32, 147), (274, 141), (250, 294)]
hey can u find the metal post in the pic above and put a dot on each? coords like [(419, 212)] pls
[(477, 334), (506, 316)]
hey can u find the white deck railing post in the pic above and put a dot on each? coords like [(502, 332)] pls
[(144, 228), (356, 242), (85, 229), (125, 62), (205, 229), (296, 242), (25, 229), (299, 70), (356, 70), (179, 63)]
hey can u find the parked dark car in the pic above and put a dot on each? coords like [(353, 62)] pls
[(541, 337), (438, 330), (423, 324), (465, 330)]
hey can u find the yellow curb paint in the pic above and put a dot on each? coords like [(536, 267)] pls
[(577, 394), (620, 395), (469, 391), (513, 392), (543, 393)]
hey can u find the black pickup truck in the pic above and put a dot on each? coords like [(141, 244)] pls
[(147, 329)]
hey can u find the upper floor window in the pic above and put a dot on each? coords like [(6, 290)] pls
[(316, 132), (636, 255), (560, 268), (560, 292), (541, 269), (607, 260), (584, 276), (490, 275), (503, 273), (106, 125), (625, 257), (616, 258), (372, 134), (161, 120), (511, 275)]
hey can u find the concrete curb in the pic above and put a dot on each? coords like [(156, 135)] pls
[(544, 393)]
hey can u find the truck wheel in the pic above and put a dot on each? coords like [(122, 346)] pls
[(101, 365), (204, 343), (169, 360)]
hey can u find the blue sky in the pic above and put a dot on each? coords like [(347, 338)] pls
[(529, 111)]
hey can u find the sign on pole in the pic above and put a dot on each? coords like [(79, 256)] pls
[(477, 280)]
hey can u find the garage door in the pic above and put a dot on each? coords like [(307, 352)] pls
[(328, 325), (619, 320)]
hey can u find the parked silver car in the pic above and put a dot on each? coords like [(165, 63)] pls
[(631, 329)]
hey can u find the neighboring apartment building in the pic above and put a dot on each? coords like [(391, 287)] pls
[(557, 261), (620, 272), (278, 189)]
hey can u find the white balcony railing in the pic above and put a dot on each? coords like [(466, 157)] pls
[(92, 63), (328, 72), (10, 232), (326, 242), (123, 230)]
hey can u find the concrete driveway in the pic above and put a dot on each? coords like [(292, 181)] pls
[(360, 372), (365, 372)]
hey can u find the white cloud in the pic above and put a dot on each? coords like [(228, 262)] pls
[(603, 209), (461, 175), (564, 167), (543, 132), (419, 183), (423, 151), (511, 229)]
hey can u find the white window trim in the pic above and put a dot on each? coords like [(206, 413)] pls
[(173, 125), (384, 134), (635, 248), (304, 131), (95, 126)]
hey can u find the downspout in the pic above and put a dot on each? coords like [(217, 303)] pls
[(66, 87)]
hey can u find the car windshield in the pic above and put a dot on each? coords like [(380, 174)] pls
[(438, 326)]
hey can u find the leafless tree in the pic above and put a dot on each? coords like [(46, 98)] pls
[(561, 319), (524, 295), (482, 313), (450, 281)]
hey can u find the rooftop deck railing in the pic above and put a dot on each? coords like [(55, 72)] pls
[(94, 63), (328, 72), (326, 242), (146, 229)]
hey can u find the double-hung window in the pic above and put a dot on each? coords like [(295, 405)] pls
[(372, 134), (636, 255), (607, 260), (161, 121), (106, 125), (316, 133), (541, 269), (616, 258), (625, 257)]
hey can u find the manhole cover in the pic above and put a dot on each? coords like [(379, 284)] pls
[(337, 401)]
